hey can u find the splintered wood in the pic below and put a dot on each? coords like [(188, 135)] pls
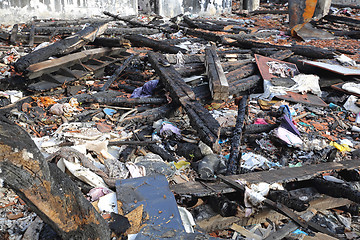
[(218, 83), (201, 120)]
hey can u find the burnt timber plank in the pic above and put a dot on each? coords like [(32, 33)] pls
[(200, 119), (49, 192), (64, 46), (283, 175), (171, 79), (141, 41), (219, 223), (218, 84), (49, 66)]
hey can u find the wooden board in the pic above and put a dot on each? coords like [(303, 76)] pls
[(283, 175), (49, 66), (219, 223), (218, 83)]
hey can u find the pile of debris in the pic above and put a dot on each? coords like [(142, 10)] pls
[(190, 127)]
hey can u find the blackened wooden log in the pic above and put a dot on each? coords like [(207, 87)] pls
[(114, 98), (201, 120), (231, 66), (284, 197), (240, 73), (117, 73), (191, 69), (66, 31), (141, 41), (151, 115), (45, 188), (307, 51), (139, 24), (311, 52), (264, 51), (204, 26), (352, 34), (213, 27), (249, 129), (154, 148), (64, 46), (345, 6), (344, 20), (337, 190), (233, 163), (282, 54), (136, 143), (242, 86), (109, 42), (171, 79), (258, 12), (209, 36)]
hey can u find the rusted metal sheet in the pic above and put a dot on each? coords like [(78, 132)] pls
[(335, 68), (308, 32), (262, 61), (303, 98)]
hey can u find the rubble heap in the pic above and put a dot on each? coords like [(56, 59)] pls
[(212, 127)]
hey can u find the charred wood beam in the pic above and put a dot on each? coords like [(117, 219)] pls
[(141, 41), (201, 34), (352, 34), (109, 42), (345, 5), (307, 51), (249, 129), (344, 20), (66, 31), (191, 69), (241, 72), (64, 46), (171, 79), (242, 86), (45, 188), (138, 24), (231, 66), (336, 189), (65, 23), (284, 197), (117, 73), (113, 98), (49, 66), (218, 84), (201, 120), (151, 115), (233, 163), (258, 12), (282, 54), (212, 27)]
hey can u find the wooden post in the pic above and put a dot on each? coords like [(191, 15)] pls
[(64, 46), (218, 83), (45, 189)]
